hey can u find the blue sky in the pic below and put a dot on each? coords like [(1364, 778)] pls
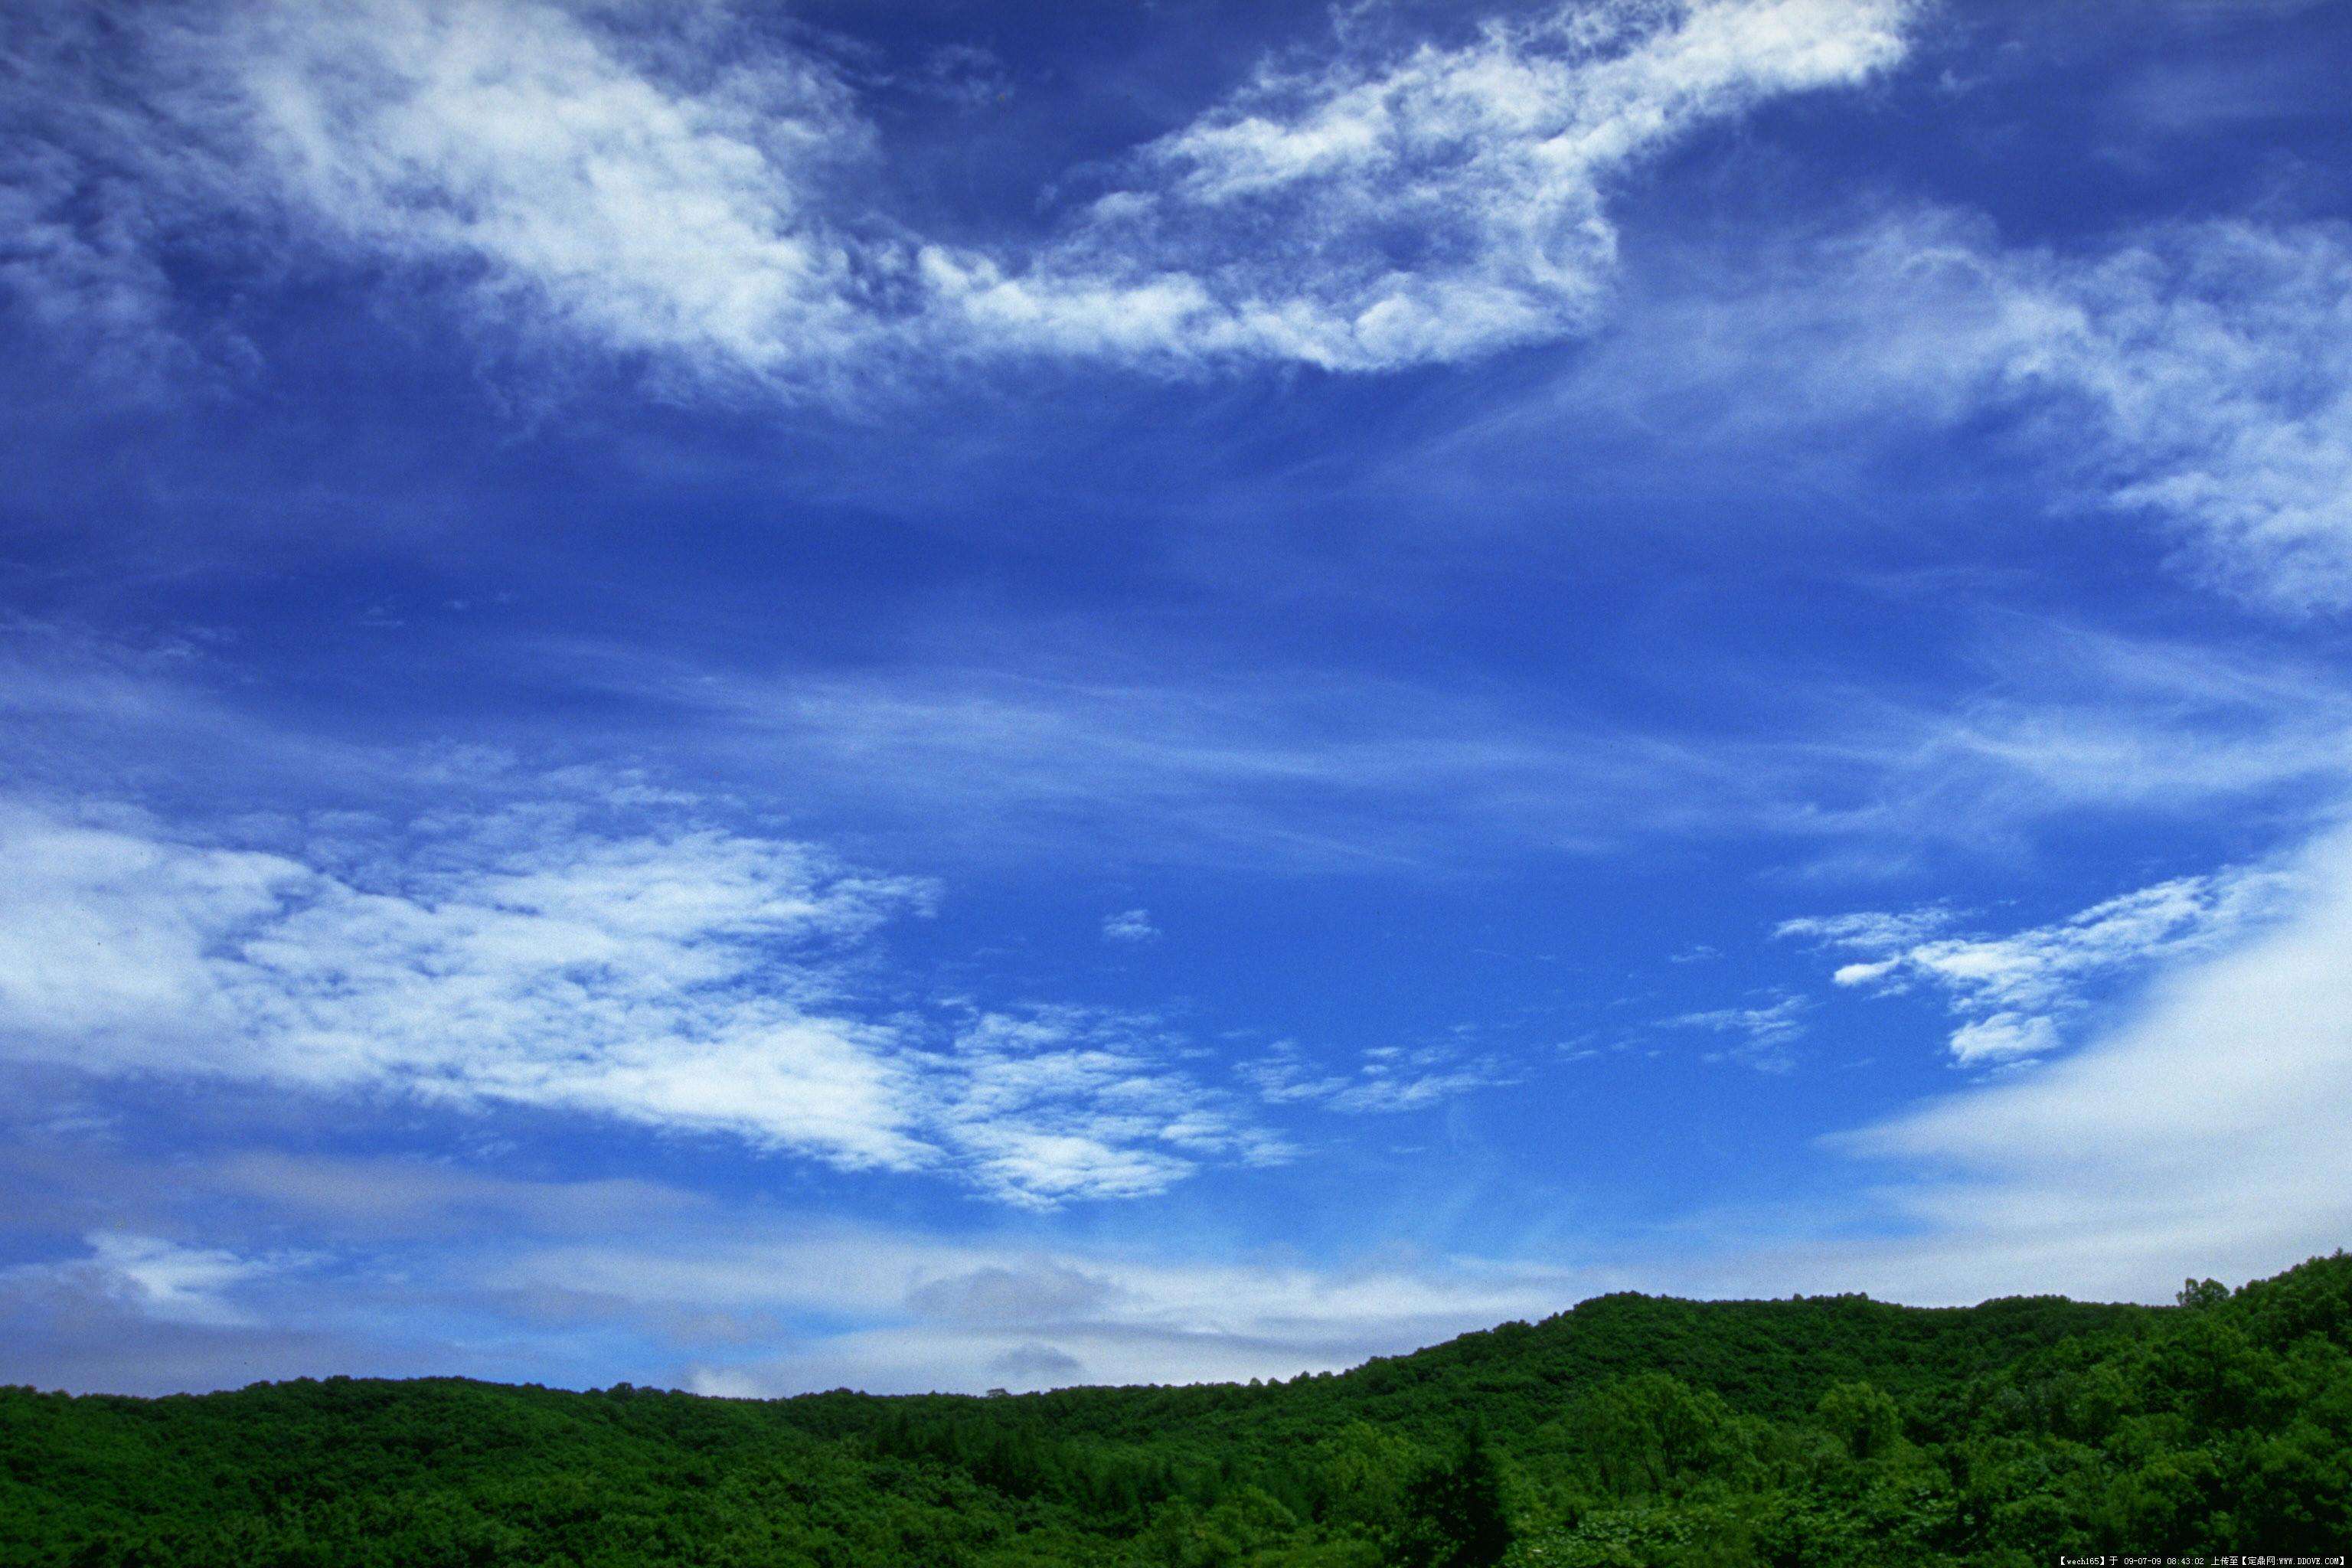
[(948, 696)]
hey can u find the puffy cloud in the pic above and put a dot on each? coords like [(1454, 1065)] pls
[(2003, 1037)]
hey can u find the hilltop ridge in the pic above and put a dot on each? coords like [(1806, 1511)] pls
[(1630, 1429)]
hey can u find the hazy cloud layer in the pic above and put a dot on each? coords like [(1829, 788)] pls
[(721, 1297)]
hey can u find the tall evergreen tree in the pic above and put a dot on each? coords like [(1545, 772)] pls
[(1453, 1515)]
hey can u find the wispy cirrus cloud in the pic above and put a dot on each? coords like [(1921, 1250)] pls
[(2191, 375), (1406, 202), (1063, 1102), (1322, 768), (560, 953), (1326, 767), (1378, 1081), (2200, 1124), (689, 193), (2213, 361), (1762, 1032), (2013, 993)]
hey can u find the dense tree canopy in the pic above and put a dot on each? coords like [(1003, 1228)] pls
[(1631, 1431)]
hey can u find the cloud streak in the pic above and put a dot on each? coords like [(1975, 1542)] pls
[(2190, 374), (1129, 926), (1382, 1080), (1402, 205), (2201, 1126), (686, 194), (1763, 1033), (567, 954), (2013, 992)]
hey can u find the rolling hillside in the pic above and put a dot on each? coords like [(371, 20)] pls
[(1632, 1430)]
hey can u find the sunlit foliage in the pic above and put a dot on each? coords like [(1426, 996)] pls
[(1630, 1431)]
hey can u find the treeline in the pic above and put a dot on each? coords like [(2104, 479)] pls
[(1630, 1431)]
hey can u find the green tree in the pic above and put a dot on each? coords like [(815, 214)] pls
[(1453, 1515), (2203, 1293), (1862, 1417)]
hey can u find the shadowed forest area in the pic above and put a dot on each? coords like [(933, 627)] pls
[(1632, 1430)]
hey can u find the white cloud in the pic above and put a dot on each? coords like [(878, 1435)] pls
[(2219, 359), (1765, 1031), (1392, 206), (1381, 1081), (2202, 1133), (935, 1313), (2195, 375), (1068, 1102), (157, 1280), (2003, 1037), (1129, 925), (2049, 721), (2011, 990), (691, 191), (1869, 930), (83, 266), (660, 187), (520, 956), (691, 195), (649, 191), (545, 953)]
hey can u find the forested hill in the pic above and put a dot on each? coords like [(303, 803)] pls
[(1632, 1430)]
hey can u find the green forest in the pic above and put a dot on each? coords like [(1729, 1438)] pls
[(1632, 1430)]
